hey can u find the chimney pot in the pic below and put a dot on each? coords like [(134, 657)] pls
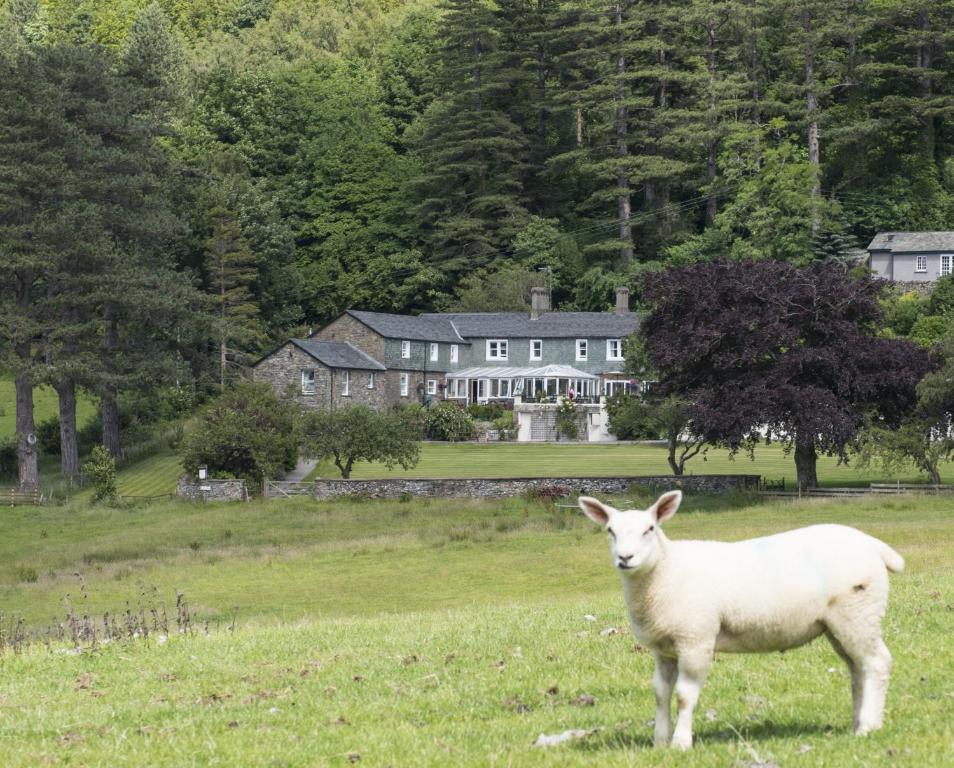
[(539, 302), (622, 300)]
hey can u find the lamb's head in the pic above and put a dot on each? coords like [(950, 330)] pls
[(636, 543)]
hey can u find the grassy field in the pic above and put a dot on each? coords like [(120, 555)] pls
[(432, 633), (582, 459), (44, 403)]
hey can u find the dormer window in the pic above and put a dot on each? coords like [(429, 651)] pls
[(496, 349)]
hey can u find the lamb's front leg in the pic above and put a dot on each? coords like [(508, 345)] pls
[(692, 668), (663, 679)]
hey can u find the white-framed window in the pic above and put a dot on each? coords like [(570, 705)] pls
[(500, 388), (345, 383), (536, 349), (482, 387), (308, 381), (581, 349), (920, 264), (496, 349), (946, 264), (435, 350), (432, 386), (405, 349), (454, 353), (614, 349), (371, 380), (405, 383)]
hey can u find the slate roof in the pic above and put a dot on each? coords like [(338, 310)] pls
[(410, 327), (549, 325), (913, 242), (338, 354)]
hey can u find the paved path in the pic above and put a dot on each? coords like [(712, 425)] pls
[(302, 470)]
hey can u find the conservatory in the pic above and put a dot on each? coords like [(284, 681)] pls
[(549, 382)]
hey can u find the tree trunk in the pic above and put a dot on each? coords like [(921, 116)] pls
[(69, 449), (811, 105), (624, 206), (675, 466), (935, 475), (109, 394), (806, 461), (26, 429)]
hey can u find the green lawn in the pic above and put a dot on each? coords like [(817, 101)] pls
[(432, 633), (45, 406), (589, 459)]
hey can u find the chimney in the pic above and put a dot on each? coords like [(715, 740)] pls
[(622, 300), (539, 302)]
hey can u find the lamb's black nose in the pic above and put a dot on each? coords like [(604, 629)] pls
[(624, 559)]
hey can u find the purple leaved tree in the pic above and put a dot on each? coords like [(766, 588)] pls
[(766, 350)]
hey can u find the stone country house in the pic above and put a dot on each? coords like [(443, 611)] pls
[(527, 361), (915, 259)]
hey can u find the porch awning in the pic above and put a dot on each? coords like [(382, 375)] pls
[(501, 372)]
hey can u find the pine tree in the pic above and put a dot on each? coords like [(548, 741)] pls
[(231, 270), (469, 200)]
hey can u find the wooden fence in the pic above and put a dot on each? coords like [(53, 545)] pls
[(14, 497), (874, 489)]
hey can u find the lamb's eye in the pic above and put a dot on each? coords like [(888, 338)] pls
[(610, 532), (649, 530)]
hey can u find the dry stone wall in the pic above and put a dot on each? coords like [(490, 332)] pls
[(504, 487), (211, 490)]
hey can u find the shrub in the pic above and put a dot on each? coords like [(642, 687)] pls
[(485, 411), (8, 458), (247, 431), (48, 437), (101, 469), (447, 421), (632, 418), (566, 419), (506, 427)]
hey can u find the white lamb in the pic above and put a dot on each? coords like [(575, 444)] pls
[(688, 599)]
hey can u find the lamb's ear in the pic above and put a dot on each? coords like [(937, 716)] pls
[(666, 505), (595, 509)]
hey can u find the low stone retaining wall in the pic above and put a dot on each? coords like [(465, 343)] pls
[(516, 486), (211, 490)]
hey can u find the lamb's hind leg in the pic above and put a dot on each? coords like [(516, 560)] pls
[(664, 678), (692, 669), (858, 632)]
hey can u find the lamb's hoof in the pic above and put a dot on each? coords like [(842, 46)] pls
[(681, 742), (862, 729)]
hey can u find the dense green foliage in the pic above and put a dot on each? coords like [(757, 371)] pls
[(448, 421), (101, 470), (247, 432)]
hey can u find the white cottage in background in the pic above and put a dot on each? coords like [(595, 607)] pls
[(912, 257)]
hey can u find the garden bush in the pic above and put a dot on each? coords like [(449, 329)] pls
[(101, 469), (485, 411), (8, 459), (447, 421)]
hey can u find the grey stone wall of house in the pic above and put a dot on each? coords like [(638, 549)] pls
[(347, 328), (359, 393), (880, 263), (555, 352), (282, 369), (505, 487), (211, 490)]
